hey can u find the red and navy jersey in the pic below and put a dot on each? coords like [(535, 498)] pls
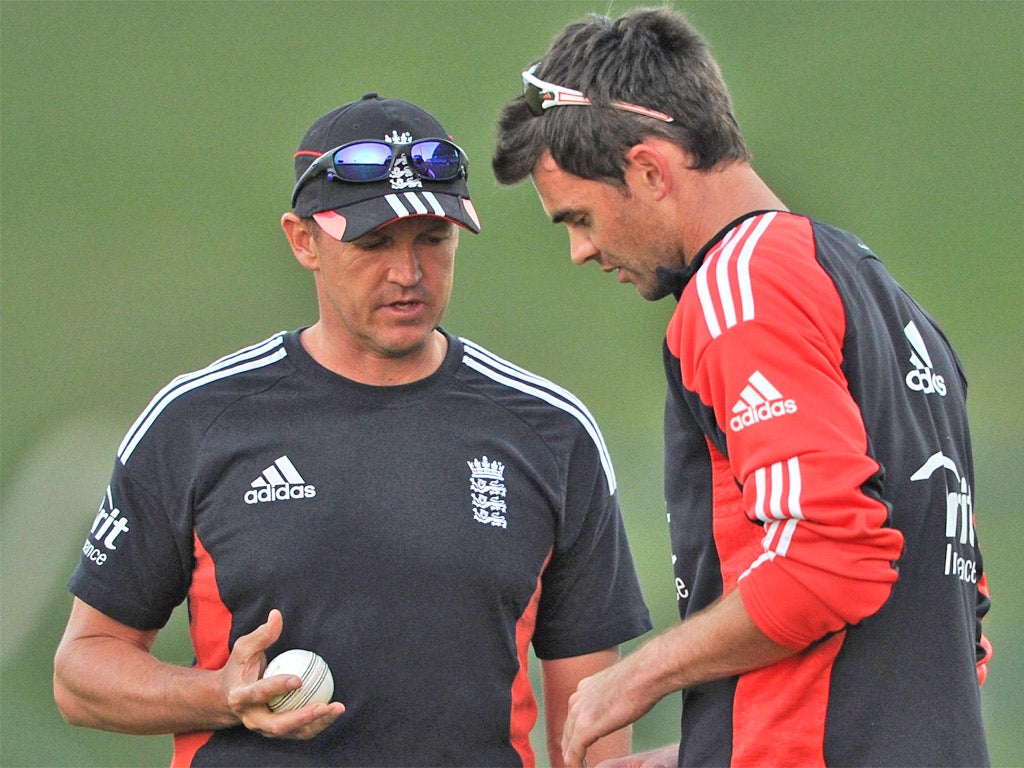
[(818, 459), (418, 537)]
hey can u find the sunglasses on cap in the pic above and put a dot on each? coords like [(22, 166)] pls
[(541, 95), (365, 161)]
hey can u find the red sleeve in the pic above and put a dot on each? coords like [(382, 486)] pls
[(759, 335)]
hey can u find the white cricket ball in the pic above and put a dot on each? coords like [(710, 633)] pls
[(317, 681)]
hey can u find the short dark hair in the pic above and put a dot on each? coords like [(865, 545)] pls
[(649, 56)]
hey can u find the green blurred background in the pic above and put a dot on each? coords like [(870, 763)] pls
[(146, 159)]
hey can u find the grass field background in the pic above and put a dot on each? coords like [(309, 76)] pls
[(145, 153)]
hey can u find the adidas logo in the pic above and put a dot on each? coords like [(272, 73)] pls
[(923, 378), (759, 401), (279, 482)]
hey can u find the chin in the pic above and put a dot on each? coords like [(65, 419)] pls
[(396, 351), (652, 292), (399, 346)]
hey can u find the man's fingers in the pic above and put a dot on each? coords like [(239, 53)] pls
[(261, 638), (249, 694), (573, 751), (260, 692), (303, 723)]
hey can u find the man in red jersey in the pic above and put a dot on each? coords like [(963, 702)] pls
[(818, 464)]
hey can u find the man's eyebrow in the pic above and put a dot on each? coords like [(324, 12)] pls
[(440, 224), (560, 216)]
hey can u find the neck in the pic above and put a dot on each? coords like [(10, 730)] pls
[(371, 367), (718, 197)]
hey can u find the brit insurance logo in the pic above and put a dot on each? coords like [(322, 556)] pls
[(922, 378), (759, 401), (107, 531), (280, 481), (959, 516), (488, 492)]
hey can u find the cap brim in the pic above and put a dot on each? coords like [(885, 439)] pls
[(353, 221)]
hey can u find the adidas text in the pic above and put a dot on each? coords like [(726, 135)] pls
[(922, 377), (279, 493), (762, 412), (927, 381), (280, 481)]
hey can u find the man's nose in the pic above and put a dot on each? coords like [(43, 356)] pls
[(581, 249), (405, 265)]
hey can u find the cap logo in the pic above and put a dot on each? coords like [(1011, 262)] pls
[(401, 176)]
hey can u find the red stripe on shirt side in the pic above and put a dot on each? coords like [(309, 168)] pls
[(982, 665), (185, 747), (524, 703), (763, 726), (210, 618), (735, 536), (781, 709), (986, 645), (210, 628)]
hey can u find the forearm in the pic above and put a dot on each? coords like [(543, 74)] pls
[(560, 679), (112, 685), (105, 677), (719, 642)]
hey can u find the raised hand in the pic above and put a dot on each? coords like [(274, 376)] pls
[(248, 693)]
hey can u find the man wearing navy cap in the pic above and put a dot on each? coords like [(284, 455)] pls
[(403, 502)]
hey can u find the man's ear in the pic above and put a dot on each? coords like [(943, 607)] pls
[(648, 169), (301, 240), (650, 165)]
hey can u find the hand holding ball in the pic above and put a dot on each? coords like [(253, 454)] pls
[(317, 681)]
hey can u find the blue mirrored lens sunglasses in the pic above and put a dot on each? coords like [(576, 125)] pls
[(366, 161)]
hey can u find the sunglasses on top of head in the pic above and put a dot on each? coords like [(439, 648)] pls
[(365, 161), (541, 95)]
